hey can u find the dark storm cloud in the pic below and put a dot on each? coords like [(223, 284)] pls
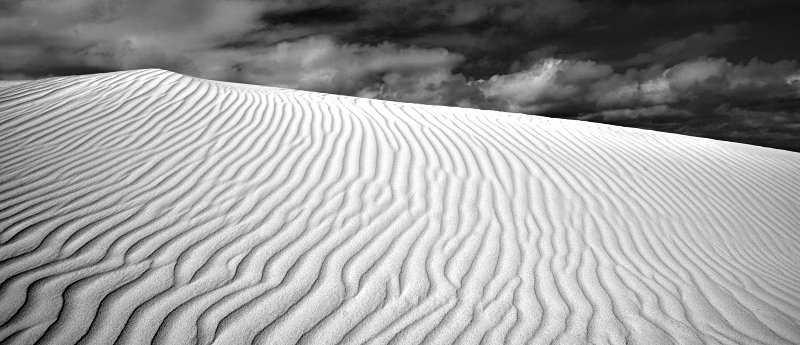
[(9, 7), (698, 44), (693, 9), (327, 14), (468, 27), (46, 38), (171, 33)]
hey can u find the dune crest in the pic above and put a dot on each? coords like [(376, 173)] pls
[(149, 207)]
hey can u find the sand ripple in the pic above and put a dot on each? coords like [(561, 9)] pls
[(148, 207)]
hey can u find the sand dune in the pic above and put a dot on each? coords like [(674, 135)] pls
[(146, 206)]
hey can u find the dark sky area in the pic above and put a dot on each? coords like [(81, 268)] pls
[(715, 68)]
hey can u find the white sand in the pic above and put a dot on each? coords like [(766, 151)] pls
[(146, 206)]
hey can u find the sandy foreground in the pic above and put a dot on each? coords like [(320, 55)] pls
[(149, 207)]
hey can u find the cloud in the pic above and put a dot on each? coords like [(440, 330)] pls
[(121, 34), (313, 15), (653, 112), (695, 9), (440, 87), (435, 17), (547, 85), (558, 85), (538, 13), (43, 37), (319, 63), (529, 13), (698, 44), (269, 43)]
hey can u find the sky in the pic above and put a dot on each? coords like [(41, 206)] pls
[(715, 68)]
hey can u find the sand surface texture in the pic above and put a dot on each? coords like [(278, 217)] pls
[(149, 207)]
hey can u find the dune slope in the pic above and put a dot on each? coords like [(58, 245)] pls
[(149, 207)]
